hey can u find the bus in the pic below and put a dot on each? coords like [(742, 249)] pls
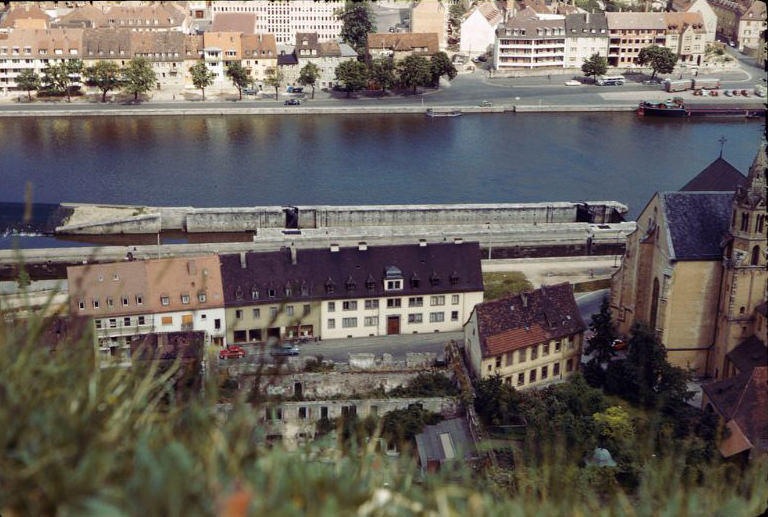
[(611, 80)]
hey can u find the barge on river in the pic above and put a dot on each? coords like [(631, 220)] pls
[(677, 108)]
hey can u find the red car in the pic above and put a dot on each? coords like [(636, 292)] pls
[(232, 352)]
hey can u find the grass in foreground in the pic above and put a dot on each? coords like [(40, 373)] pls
[(498, 285)]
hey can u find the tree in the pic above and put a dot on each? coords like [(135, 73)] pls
[(202, 78), (28, 80), (239, 76), (455, 14), (496, 403), (308, 76), (616, 424), (105, 75), (415, 71), (440, 64), (139, 77), (357, 19), (383, 72), (600, 345), (353, 74), (595, 65), (61, 76), (274, 78), (661, 59)]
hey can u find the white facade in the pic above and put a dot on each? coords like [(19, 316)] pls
[(708, 15), (515, 52), (477, 34), (284, 19), (365, 317), (577, 49)]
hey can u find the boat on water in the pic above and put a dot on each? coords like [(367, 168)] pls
[(678, 108), (432, 113)]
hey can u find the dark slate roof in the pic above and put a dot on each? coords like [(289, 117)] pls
[(718, 176), (529, 318), (431, 448), (350, 272), (743, 398), (287, 59), (582, 24), (750, 353), (697, 223)]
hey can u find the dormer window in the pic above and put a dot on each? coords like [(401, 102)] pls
[(330, 287), (202, 297), (288, 291), (238, 293), (393, 285), (434, 280), (185, 299), (304, 289), (271, 293), (254, 293), (370, 283), (350, 284), (454, 278), (81, 305), (165, 300)]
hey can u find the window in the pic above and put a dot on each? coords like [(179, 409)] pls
[(254, 294), (557, 346), (273, 312), (436, 317), (112, 323), (371, 321), (217, 324), (239, 314), (371, 304), (185, 299), (498, 361), (521, 356), (97, 323), (167, 320), (349, 323), (570, 342), (759, 223), (306, 309), (142, 320), (415, 318), (165, 300), (289, 310), (755, 256), (393, 303), (125, 300), (202, 297), (569, 365), (126, 322), (349, 305), (545, 349), (303, 412), (532, 376), (81, 304), (416, 301), (744, 222), (544, 372), (556, 369), (139, 299), (256, 313), (436, 300), (331, 323), (534, 352), (520, 379), (454, 299), (271, 293), (95, 304), (331, 306), (393, 285), (454, 315)]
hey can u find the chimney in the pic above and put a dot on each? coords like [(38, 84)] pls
[(422, 243), (243, 264), (334, 247), (362, 245), (293, 254)]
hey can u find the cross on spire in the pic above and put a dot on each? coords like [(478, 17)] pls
[(722, 141)]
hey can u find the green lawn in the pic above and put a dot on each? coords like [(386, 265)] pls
[(498, 285)]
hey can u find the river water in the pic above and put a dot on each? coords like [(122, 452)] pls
[(361, 159)]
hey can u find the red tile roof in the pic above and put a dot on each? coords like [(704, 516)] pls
[(514, 339)]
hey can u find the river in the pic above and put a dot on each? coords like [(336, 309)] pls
[(358, 159)]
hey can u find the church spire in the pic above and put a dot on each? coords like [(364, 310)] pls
[(754, 193)]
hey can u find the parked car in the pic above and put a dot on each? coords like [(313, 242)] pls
[(736, 93), (292, 102), (250, 91), (745, 93), (485, 104), (618, 344), (285, 350), (232, 352), (727, 93), (573, 82)]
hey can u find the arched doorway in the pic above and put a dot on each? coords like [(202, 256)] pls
[(654, 304)]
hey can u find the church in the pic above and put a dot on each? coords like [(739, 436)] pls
[(695, 270)]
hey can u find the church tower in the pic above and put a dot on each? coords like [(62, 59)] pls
[(744, 267)]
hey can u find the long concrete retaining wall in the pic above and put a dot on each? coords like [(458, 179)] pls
[(146, 223)]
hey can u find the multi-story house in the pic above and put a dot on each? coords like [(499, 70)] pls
[(234, 22), (284, 18), (702, 7), (729, 12), (86, 17), (259, 55), (34, 49), (165, 51), (399, 45), (431, 16), (351, 292), (127, 299), (686, 36), (478, 28), (530, 340), (153, 17), (752, 26), (530, 41), (193, 54), (586, 35), (220, 49), (24, 17), (326, 55), (630, 33)]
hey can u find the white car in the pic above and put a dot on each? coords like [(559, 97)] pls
[(573, 82)]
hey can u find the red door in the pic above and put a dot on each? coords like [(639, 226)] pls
[(393, 325)]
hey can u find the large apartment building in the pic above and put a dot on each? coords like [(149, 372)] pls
[(531, 339), (285, 18), (586, 35), (530, 41), (630, 33)]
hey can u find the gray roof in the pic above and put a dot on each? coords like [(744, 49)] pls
[(697, 223), (582, 25), (718, 176), (431, 448), (750, 353)]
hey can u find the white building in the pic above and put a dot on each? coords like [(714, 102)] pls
[(707, 14), (529, 41), (285, 18), (586, 35), (752, 25), (478, 29)]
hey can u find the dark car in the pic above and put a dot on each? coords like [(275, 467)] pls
[(618, 344), (284, 350), (232, 352), (292, 102)]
